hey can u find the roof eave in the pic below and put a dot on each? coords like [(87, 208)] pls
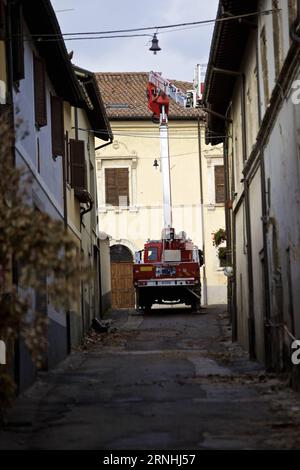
[(41, 19), (148, 118), (227, 49), (97, 116)]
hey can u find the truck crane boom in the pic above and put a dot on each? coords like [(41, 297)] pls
[(159, 91), (169, 270)]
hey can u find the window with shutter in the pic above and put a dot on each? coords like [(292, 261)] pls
[(17, 41), (57, 126), (39, 92), (2, 20), (117, 186), (78, 167), (219, 184)]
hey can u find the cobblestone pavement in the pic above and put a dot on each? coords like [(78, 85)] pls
[(170, 379)]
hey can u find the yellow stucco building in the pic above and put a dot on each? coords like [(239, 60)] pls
[(80, 200), (130, 186)]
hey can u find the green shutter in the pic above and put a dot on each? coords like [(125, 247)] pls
[(57, 126), (111, 188), (219, 184), (39, 92), (77, 155), (116, 185)]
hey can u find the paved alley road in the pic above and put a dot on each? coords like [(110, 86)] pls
[(170, 379)]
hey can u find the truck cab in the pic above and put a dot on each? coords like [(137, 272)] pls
[(167, 271)]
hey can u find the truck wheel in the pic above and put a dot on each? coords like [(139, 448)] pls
[(147, 308), (196, 307)]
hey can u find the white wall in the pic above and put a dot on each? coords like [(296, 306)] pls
[(282, 160), (50, 176), (46, 187)]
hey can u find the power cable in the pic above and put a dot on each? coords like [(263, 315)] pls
[(147, 28), (146, 135)]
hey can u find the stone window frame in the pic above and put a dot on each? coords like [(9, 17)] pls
[(125, 161)]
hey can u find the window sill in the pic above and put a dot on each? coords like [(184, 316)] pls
[(214, 206), (118, 209)]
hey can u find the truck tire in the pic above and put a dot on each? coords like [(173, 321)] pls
[(196, 307)]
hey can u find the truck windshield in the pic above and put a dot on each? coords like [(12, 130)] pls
[(152, 254)]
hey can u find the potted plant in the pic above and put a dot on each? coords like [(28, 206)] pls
[(219, 238)]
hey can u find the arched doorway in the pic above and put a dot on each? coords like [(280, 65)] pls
[(122, 289)]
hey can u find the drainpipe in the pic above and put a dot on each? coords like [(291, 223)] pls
[(234, 287), (76, 122), (267, 300), (111, 139), (202, 213), (251, 319), (85, 211), (64, 159), (228, 234)]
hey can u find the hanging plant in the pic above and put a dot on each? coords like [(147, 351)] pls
[(219, 237)]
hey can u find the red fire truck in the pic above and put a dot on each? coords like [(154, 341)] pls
[(167, 270)]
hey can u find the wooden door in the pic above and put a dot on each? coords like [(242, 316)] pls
[(122, 285)]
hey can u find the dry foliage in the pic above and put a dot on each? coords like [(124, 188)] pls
[(39, 264)]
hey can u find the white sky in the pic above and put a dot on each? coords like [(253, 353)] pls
[(181, 50)]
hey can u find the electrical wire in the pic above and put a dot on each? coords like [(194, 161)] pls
[(39, 39), (66, 9), (159, 157), (146, 135), (173, 27)]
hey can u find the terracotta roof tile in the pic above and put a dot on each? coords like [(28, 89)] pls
[(124, 95)]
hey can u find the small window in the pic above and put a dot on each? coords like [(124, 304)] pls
[(219, 184), (152, 253)]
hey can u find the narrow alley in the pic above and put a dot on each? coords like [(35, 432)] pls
[(170, 379)]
